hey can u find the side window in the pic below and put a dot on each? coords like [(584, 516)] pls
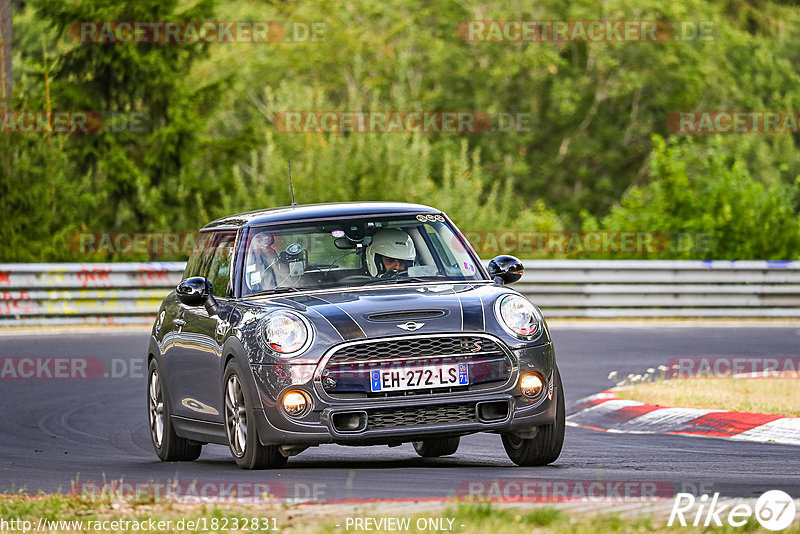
[(221, 256), (195, 264)]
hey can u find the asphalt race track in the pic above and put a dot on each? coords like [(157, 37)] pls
[(56, 431)]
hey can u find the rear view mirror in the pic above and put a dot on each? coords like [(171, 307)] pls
[(342, 243), (345, 243)]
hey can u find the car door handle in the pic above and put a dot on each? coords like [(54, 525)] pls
[(178, 322)]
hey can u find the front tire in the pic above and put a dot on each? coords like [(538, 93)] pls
[(545, 447), (168, 445), (435, 447), (240, 425)]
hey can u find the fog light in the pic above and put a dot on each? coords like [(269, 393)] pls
[(295, 403), (531, 385)]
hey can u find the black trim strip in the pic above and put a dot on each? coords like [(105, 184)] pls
[(472, 308)]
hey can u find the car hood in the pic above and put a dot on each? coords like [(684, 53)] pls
[(397, 310)]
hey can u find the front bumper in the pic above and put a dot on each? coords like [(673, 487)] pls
[(371, 421)]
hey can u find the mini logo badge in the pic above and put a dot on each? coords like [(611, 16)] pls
[(411, 326)]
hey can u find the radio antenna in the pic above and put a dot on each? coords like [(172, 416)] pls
[(291, 187)]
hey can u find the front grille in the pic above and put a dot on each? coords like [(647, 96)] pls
[(457, 347), (346, 373), (463, 412)]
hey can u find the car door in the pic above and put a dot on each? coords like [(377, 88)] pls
[(198, 391), (175, 355)]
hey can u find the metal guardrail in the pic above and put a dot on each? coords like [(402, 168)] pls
[(130, 293), (642, 288), (84, 293)]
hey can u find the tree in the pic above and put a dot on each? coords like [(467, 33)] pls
[(5, 52), (142, 174)]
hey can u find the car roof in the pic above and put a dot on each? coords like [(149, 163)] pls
[(330, 210)]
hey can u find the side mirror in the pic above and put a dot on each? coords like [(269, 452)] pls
[(506, 269), (197, 291)]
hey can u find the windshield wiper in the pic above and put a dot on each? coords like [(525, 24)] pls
[(275, 291), (398, 280)]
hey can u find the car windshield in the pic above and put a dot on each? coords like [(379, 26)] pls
[(356, 252)]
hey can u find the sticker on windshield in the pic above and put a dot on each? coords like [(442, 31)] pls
[(439, 218), (421, 218), (469, 267), (337, 233)]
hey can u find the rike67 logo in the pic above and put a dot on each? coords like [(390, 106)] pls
[(774, 510)]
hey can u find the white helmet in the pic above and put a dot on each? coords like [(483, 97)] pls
[(392, 243)]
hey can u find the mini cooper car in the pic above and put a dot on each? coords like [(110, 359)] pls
[(365, 323)]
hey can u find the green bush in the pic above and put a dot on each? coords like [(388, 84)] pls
[(710, 199)]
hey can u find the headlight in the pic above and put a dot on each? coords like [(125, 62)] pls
[(285, 333), (519, 317)]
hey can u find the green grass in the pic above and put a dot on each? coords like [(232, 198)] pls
[(780, 396)]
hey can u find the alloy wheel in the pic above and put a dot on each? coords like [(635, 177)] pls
[(235, 416), (155, 403)]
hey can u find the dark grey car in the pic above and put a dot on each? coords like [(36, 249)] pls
[(349, 323)]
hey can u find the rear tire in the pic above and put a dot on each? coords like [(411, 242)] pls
[(546, 446), (435, 447), (168, 445), (240, 425)]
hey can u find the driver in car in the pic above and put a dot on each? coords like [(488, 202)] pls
[(391, 252)]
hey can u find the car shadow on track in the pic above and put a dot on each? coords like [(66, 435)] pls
[(382, 463)]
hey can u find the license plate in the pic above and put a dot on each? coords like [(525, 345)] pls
[(424, 377)]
